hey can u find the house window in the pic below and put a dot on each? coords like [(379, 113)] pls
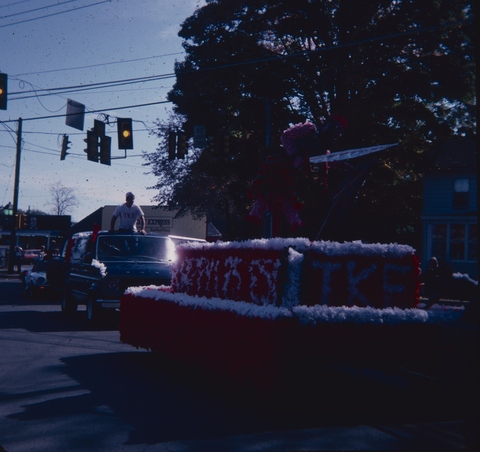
[(460, 193), (454, 241), (457, 242), (439, 240)]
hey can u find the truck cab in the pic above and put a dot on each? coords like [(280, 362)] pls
[(100, 266)]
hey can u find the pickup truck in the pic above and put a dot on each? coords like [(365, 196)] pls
[(100, 266)]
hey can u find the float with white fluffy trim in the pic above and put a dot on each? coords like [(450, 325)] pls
[(252, 311)]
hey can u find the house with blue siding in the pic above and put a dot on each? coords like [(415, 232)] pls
[(450, 214)]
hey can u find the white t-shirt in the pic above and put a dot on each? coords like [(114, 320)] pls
[(128, 216)]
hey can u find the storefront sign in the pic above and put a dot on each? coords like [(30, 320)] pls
[(159, 224)]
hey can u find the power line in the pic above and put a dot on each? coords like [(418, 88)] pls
[(79, 88), (101, 84), (99, 64), (87, 87), (54, 14), (37, 9), (91, 111), (55, 153), (14, 3), (80, 91), (63, 90)]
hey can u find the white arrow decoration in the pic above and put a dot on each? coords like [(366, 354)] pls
[(349, 153)]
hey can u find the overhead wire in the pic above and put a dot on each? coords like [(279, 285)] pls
[(133, 60), (54, 14), (68, 89), (15, 3), (235, 64), (87, 87), (37, 9), (90, 111), (38, 98)]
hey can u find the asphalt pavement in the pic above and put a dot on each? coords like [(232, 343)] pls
[(68, 386)]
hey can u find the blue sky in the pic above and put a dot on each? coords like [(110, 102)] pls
[(80, 42)]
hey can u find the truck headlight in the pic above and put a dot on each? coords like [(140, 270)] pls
[(113, 284)]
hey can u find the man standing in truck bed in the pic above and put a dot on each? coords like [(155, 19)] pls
[(128, 213)]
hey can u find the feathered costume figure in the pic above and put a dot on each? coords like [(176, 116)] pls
[(274, 187)]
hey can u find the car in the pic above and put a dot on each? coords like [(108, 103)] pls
[(42, 278), (31, 256), (100, 266)]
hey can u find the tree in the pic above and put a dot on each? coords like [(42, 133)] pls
[(391, 68), (63, 199)]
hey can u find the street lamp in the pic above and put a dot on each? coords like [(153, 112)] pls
[(8, 209)]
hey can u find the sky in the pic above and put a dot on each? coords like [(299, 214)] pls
[(51, 44)]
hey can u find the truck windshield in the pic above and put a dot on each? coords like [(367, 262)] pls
[(134, 248)]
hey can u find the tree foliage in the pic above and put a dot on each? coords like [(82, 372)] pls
[(397, 70)]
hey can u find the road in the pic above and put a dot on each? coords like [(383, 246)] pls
[(66, 385)]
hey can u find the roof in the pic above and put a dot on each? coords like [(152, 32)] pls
[(457, 153)]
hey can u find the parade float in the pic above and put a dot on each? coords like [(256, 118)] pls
[(260, 312)]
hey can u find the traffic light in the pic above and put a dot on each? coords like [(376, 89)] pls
[(99, 128), (65, 147), (92, 146), (3, 91), (125, 133), (105, 150), (172, 145), (25, 221), (181, 145)]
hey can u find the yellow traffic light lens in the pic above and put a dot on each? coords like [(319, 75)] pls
[(125, 133), (1, 91)]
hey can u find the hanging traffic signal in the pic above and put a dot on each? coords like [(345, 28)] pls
[(172, 145), (92, 146), (3, 91), (99, 128), (25, 222), (65, 147), (105, 150), (125, 133), (181, 145)]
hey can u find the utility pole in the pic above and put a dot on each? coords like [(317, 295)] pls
[(11, 257)]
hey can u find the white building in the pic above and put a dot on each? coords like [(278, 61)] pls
[(157, 219)]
